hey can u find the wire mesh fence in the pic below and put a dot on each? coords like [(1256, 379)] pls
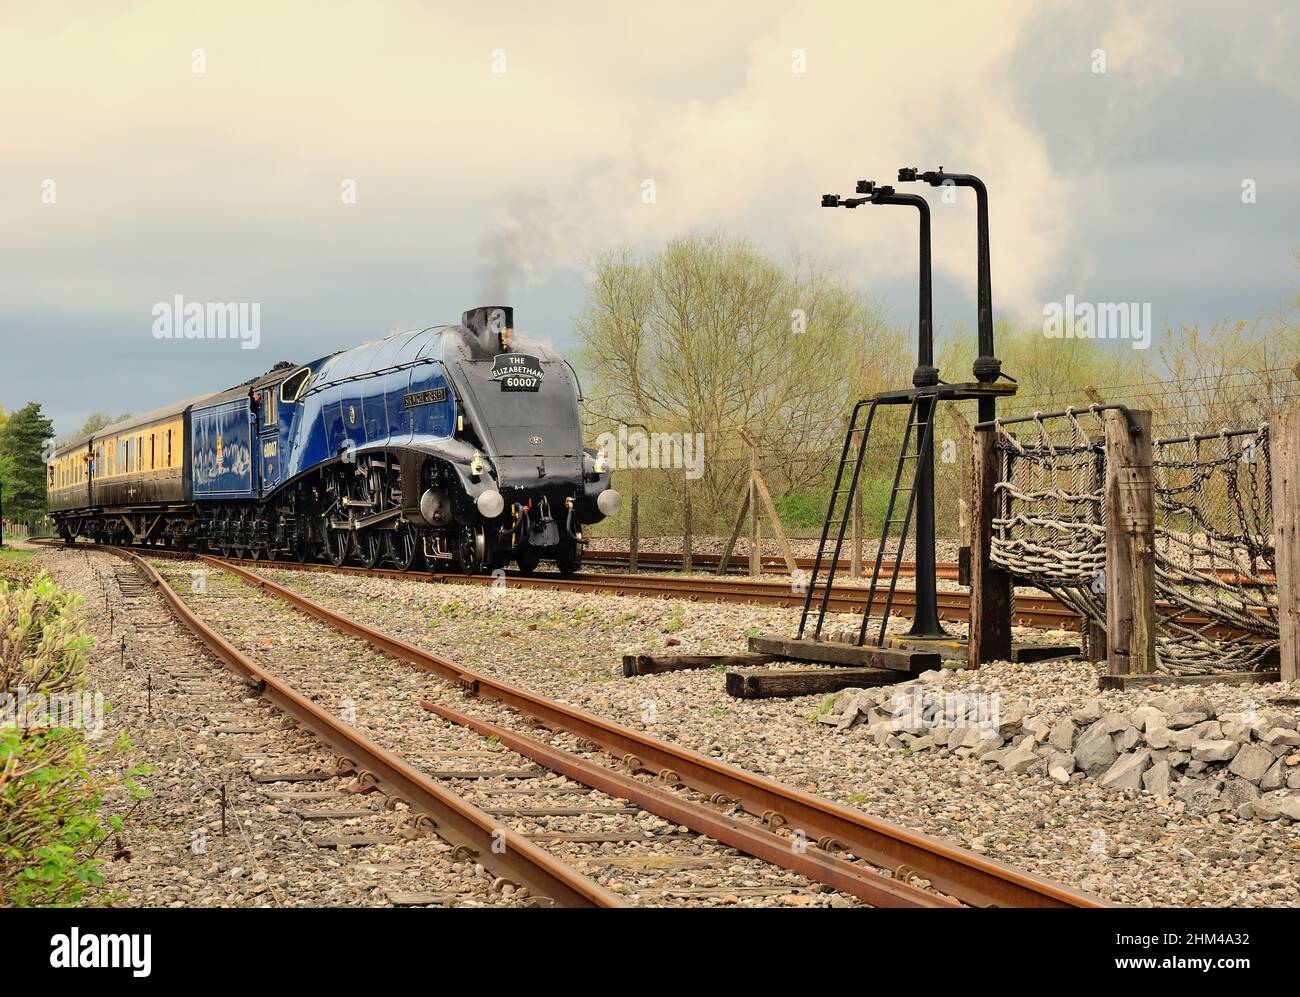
[(800, 476)]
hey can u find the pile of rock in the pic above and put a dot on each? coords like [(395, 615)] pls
[(1174, 747)]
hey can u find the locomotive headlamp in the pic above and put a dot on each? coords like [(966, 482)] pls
[(602, 462), (476, 465)]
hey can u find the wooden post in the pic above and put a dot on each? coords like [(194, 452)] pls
[(755, 527), (990, 586), (1130, 546), (759, 493), (686, 525), (735, 532), (1094, 633), (634, 537), (1284, 459)]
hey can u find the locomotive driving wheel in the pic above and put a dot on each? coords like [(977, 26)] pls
[(471, 552), (403, 546), (370, 547), (338, 544)]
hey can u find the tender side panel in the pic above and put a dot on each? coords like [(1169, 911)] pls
[(221, 451)]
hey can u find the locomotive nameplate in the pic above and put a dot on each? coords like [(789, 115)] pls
[(517, 372), (429, 397)]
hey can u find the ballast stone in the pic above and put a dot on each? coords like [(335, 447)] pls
[(1095, 752), (1214, 751), (1251, 762), (1126, 772)]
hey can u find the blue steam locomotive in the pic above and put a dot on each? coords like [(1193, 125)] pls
[(456, 444)]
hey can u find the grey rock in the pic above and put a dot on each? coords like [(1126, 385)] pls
[(1283, 803), (1095, 751), (1293, 778), (1060, 760), (1200, 796), (923, 743), (1214, 751), (1147, 717), (1019, 759), (1126, 772), (1251, 762), (1059, 774), (986, 745), (1062, 734), (1126, 739), (1155, 780), (1158, 737), (1186, 719), (1275, 777), (1113, 723), (1235, 732), (1280, 735), (1089, 714), (1198, 703), (1239, 791), (1177, 759)]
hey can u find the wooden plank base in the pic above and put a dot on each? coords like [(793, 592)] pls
[(832, 653), (771, 683), (654, 664), (1142, 681), (1027, 654)]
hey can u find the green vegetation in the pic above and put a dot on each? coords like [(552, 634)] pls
[(24, 436), (50, 831)]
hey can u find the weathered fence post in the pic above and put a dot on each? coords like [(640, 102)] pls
[(634, 537), (1130, 546), (755, 524), (1094, 632), (1284, 459), (990, 586)]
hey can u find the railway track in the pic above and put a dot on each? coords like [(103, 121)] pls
[(739, 563), (1041, 611), (833, 845)]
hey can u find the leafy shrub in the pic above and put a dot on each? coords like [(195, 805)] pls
[(49, 829)]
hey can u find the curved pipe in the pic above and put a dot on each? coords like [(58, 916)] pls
[(926, 374), (987, 365)]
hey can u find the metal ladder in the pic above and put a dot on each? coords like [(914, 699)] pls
[(918, 458), (850, 458)]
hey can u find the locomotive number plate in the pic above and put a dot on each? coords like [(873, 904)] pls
[(517, 372)]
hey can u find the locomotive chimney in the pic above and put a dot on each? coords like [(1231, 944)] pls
[(489, 328)]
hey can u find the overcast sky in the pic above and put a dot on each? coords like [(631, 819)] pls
[(496, 147)]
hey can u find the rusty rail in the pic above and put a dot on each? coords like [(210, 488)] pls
[(455, 820), (958, 872)]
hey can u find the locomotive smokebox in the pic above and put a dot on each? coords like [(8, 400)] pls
[(489, 328)]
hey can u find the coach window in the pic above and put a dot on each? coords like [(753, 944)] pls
[(169, 448), (268, 408)]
